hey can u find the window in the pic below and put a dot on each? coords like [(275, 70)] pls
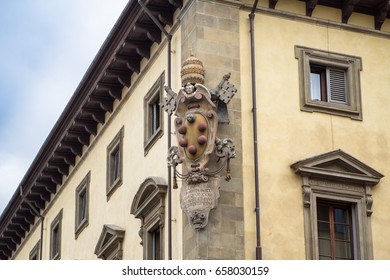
[(35, 252), (155, 244), (154, 111), (82, 203), (337, 203), (115, 163), (329, 82), (335, 231), (149, 206), (55, 237), (153, 115), (328, 85)]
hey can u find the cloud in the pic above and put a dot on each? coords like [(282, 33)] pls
[(48, 47), (12, 169)]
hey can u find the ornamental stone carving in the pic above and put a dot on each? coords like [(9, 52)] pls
[(196, 110)]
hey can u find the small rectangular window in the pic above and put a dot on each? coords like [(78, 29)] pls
[(153, 115), (82, 205), (55, 237), (115, 163), (35, 252), (329, 82)]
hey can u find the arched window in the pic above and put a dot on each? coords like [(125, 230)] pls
[(149, 206)]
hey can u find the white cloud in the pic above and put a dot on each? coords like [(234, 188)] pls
[(12, 169), (48, 53)]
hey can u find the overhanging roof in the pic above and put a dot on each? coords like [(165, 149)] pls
[(379, 9), (120, 56)]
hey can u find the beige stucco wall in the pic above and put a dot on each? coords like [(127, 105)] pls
[(128, 114), (287, 135)]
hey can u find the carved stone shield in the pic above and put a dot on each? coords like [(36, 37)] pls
[(196, 125)]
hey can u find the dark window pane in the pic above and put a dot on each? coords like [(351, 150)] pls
[(322, 213), (56, 240), (83, 206), (342, 250), (323, 230), (116, 165), (341, 215), (154, 116), (324, 247), (342, 232), (156, 244)]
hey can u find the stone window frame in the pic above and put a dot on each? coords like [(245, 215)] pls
[(155, 94), (149, 206), (56, 226), (35, 251), (110, 243), (116, 145), (337, 176), (83, 188), (352, 66)]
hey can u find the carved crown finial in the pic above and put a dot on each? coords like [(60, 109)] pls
[(192, 71)]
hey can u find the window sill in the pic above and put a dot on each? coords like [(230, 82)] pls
[(152, 140), (332, 108), (111, 189), (79, 229)]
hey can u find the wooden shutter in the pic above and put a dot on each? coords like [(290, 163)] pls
[(337, 85)]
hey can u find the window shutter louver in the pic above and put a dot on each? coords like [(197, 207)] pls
[(337, 86)]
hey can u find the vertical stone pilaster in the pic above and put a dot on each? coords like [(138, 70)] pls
[(210, 29)]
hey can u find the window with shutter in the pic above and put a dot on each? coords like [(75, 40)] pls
[(329, 82)]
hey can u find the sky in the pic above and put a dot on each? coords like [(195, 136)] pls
[(46, 46)]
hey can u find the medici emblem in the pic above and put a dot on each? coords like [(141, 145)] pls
[(196, 122)]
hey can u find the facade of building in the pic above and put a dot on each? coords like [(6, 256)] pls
[(309, 179)]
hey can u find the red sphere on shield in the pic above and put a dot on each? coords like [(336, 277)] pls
[(202, 140), (183, 142), (182, 130), (192, 150), (202, 127)]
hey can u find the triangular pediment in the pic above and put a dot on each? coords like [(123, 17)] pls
[(337, 164), (110, 235)]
